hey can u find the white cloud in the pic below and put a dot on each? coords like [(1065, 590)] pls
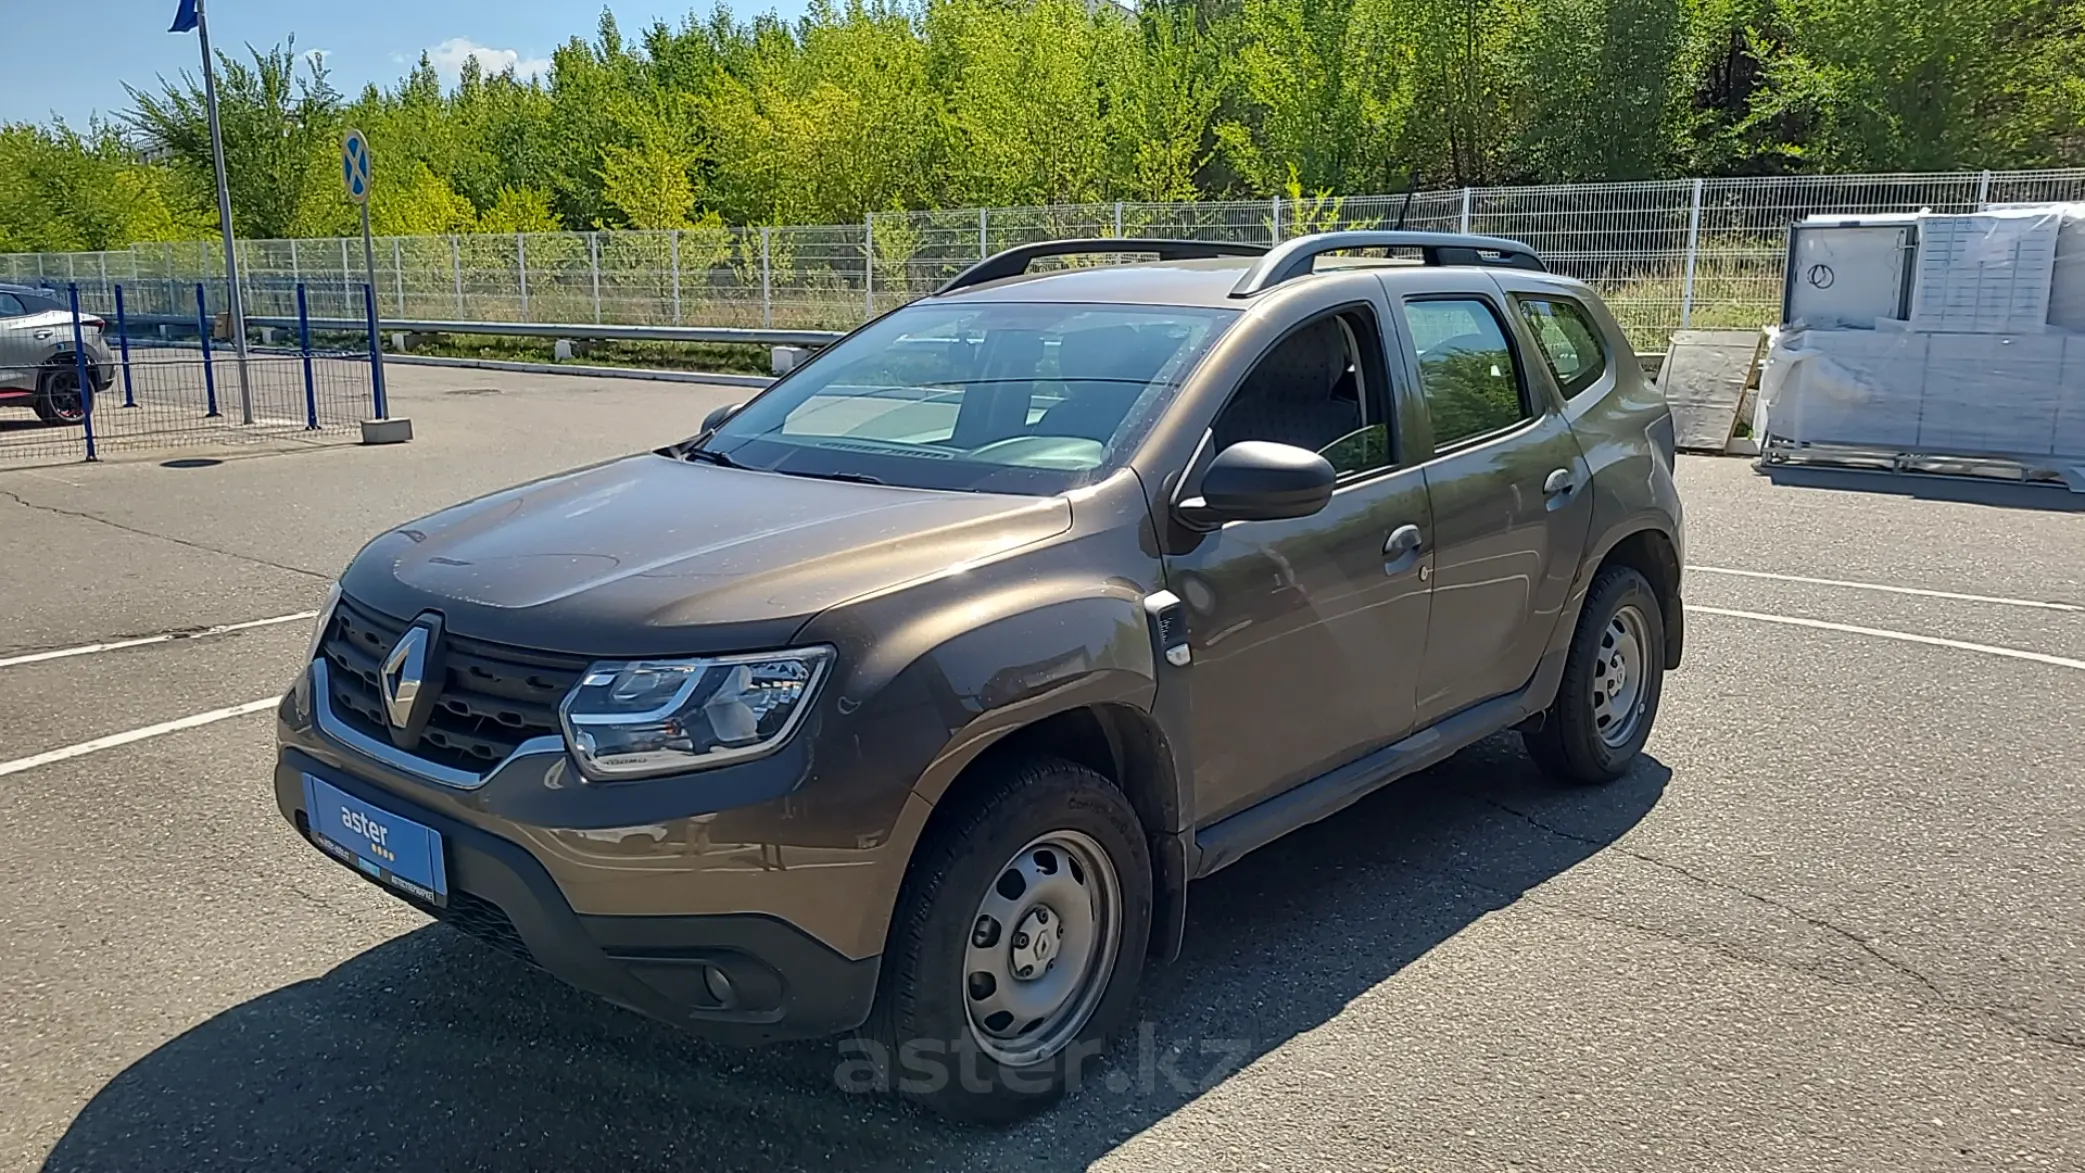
[(449, 56)]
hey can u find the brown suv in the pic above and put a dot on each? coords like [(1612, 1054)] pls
[(907, 698)]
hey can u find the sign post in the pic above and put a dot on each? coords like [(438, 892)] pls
[(356, 169), (190, 17)]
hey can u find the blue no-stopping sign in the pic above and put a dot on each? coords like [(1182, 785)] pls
[(355, 166)]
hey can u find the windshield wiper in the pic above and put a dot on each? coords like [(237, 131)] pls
[(710, 456), (859, 478)]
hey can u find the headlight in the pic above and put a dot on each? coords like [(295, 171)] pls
[(629, 719), (318, 632)]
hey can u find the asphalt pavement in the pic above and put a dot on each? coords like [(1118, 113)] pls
[(1832, 922)]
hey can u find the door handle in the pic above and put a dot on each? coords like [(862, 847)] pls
[(1559, 481), (42, 335), (1401, 550)]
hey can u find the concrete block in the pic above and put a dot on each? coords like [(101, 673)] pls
[(564, 350), (788, 358), (400, 340), (390, 431), (267, 335)]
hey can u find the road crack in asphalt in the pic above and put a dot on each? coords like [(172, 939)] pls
[(1938, 998), (1863, 943), (131, 529)]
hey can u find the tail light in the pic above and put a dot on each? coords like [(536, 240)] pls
[(93, 324)]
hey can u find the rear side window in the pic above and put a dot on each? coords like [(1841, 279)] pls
[(1569, 341), (1466, 369), (11, 306)]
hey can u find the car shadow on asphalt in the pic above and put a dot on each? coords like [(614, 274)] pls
[(431, 1051)]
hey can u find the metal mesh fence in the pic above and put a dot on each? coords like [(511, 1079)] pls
[(171, 385), (1666, 254)]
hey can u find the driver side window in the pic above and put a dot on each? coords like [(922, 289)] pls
[(1324, 388)]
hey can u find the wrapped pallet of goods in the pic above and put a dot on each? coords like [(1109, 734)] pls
[(1982, 357)]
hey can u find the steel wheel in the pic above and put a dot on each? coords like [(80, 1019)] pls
[(1618, 677), (1042, 947)]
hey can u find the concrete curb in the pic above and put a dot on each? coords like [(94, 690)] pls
[(544, 368)]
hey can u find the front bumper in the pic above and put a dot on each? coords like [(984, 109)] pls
[(782, 982)]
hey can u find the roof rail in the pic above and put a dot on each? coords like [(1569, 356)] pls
[(1294, 258), (1014, 261)]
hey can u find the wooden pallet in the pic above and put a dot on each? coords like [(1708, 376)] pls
[(1708, 378)]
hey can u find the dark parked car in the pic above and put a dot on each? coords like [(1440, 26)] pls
[(908, 698), (38, 367)]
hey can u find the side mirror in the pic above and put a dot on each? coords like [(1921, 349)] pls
[(715, 419), (1255, 480)]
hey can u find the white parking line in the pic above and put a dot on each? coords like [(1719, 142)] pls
[(142, 641), (1895, 590), (115, 739), (1880, 633)]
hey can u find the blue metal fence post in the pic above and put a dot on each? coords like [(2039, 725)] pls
[(202, 329), (311, 394), (376, 351), (123, 342), (79, 360)]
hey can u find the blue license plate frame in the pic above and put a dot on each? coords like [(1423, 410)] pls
[(385, 846)]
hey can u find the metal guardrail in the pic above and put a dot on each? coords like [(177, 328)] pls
[(579, 332)]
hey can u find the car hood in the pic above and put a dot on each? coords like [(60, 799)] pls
[(653, 556)]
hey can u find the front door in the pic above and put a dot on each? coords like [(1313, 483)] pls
[(1306, 634), (16, 371), (1511, 501)]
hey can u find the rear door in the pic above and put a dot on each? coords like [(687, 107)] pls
[(1508, 485)]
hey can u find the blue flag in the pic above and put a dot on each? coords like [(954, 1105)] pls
[(184, 17)]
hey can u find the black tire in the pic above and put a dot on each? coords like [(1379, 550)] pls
[(58, 399), (920, 1036), (1576, 741)]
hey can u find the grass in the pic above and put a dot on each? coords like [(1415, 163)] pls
[(706, 357)]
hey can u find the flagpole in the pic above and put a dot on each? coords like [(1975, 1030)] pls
[(224, 216)]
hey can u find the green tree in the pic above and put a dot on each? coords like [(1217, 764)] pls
[(1888, 85), (519, 209), (1027, 90), (1164, 108), (1292, 73), (281, 131), (647, 184), (62, 190), (1604, 97), (417, 203)]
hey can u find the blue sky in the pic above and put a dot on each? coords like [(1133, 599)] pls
[(364, 40)]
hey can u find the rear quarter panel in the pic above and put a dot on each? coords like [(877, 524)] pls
[(1616, 421)]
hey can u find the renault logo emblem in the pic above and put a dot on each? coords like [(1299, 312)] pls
[(408, 679), (404, 669)]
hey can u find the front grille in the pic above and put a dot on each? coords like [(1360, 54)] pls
[(482, 920), (491, 698)]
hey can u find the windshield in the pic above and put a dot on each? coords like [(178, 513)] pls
[(1015, 397)]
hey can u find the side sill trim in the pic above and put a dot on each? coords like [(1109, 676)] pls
[(1226, 842)]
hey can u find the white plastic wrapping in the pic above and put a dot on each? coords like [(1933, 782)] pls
[(1987, 272), (2067, 281), (1929, 393), (1989, 360)]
